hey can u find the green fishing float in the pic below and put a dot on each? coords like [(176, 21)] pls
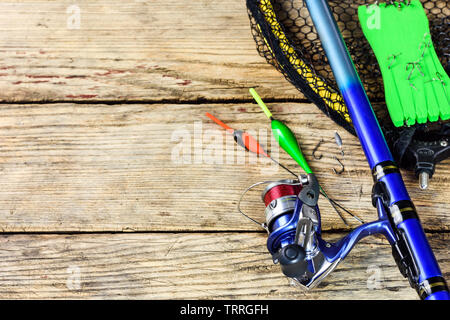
[(283, 135)]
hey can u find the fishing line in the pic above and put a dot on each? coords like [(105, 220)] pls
[(261, 224), (333, 202)]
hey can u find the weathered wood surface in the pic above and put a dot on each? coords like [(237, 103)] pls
[(132, 50), (96, 168), (68, 167), (186, 266)]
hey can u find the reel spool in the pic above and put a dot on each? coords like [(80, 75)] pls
[(280, 198)]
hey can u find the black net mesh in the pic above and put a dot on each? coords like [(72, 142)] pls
[(286, 38)]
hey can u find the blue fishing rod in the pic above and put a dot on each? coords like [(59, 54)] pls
[(292, 213)]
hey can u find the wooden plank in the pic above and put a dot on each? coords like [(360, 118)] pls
[(131, 51), (68, 167), (187, 266)]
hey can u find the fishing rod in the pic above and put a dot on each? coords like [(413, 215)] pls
[(292, 214)]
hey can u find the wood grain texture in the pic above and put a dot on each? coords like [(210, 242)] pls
[(132, 51), (112, 163), (187, 266), (69, 167)]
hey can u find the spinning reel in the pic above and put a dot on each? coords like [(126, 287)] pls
[(293, 222), (295, 240)]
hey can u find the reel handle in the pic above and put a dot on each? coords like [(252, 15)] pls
[(292, 260)]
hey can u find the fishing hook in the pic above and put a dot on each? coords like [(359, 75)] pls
[(392, 57), (415, 64), (342, 167), (438, 78), (315, 150), (441, 80), (426, 43)]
